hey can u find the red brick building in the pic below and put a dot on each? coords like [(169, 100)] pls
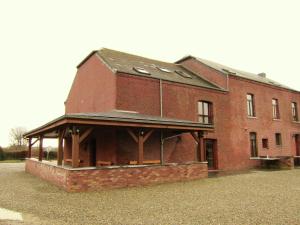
[(131, 120)]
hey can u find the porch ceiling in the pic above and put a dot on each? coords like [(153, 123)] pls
[(117, 119)]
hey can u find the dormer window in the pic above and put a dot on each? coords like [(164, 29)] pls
[(164, 69), (183, 74), (141, 70)]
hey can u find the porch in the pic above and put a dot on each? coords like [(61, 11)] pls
[(154, 148)]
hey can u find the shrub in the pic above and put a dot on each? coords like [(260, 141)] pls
[(2, 156)]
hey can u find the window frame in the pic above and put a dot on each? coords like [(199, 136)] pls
[(253, 145), (250, 105), (278, 139), (265, 143), (295, 112), (206, 118), (275, 109)]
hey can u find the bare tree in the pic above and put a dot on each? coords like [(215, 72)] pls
[(16, 137)]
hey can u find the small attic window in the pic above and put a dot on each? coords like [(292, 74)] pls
[(164, 69), (183, 74), (141, 70)]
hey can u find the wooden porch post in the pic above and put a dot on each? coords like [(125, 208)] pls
[(201, 147), (141, 148), (61, 135), (29, 148), (75, 150), (41, 148)]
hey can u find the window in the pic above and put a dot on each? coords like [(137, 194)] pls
[(164, 69), (183, 74), (275, 109), (278, 139), (294, 111), (265, 143), (205, 114), (250, 105), (253, 144), (141, 70)]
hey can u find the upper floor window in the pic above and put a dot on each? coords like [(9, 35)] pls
[(294, 111), (253, 144), (250, 105), (275, 109), (205, 113)]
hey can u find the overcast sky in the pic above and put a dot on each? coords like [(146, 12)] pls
[(41, 43)]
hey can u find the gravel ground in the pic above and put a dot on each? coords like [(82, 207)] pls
[(257, 197)]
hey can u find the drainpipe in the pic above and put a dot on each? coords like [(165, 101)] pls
[(227, 82), (161, 115)]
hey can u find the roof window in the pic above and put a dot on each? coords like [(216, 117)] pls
[(141, 70), (164, 69), (183, 74)]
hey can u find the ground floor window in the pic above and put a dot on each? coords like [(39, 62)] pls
[(265, 143), (278, 139), (253, 144)]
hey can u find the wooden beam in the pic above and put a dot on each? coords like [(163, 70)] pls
[(201, 147), (61, 135), (41, 148), (85, 135), (29, 148), (194, 135), (34, 141), (75, 150), (141, 149), (130, 132), (148, 135)]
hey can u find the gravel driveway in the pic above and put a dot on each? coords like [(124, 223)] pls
[(257, 197)]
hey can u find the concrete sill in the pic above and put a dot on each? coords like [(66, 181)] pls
[(252, 117), (276, 120), (254, 158)]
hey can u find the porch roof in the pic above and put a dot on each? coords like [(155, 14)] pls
[(118, 119)]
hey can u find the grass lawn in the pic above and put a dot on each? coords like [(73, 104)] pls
[(257, 197)]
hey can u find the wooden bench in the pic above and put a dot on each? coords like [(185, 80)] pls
[(104, 163), (70, 160), (145, 162)]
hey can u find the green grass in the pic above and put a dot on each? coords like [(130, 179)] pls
[(11, 161)]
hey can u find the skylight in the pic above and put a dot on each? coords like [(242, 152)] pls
[(183, 74), (141, 70), (164, 69)]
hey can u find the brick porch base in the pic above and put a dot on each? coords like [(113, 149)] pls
[(91, 179)]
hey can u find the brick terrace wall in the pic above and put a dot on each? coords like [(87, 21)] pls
[(118, 177), (50, 173)]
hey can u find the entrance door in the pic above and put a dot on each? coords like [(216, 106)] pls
[(297, 140), (210, 153), (93, 150)]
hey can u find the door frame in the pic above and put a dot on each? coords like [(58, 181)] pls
[(215, 152)]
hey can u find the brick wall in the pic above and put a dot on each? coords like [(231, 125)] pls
[(55, 175), (119, 177)]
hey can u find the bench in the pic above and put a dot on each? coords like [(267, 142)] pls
[(145, 162), (70, 160), (104, 163)]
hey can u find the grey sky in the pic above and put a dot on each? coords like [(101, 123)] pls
[(43, 41)]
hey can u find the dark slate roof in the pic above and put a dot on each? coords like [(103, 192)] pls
[(124, 62), (235, 72), (121, 116)]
